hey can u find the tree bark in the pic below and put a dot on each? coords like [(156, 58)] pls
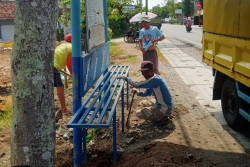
[(33, 123)]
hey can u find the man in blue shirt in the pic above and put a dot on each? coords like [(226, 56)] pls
[(149, 35), (155, 85)]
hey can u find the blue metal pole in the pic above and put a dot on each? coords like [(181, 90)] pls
[(84, 145), (76, 53), (123, 109), (105, 14), (114, 139), (127, 94)]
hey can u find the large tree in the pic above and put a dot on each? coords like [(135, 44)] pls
[(118, 18), (171, 7), (188, 7), (33, 123)]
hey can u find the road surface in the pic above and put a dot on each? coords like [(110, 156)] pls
[(183, 52), (179, 32)]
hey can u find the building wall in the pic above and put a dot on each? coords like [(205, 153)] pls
[(6, 30)]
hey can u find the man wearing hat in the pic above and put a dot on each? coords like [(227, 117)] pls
[(63, 58), (155, 85), (149, 35)]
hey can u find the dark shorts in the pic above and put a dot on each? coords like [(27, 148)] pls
[(151, 55), (57, 78)]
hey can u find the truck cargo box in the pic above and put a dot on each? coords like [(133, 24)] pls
[(227, 17)]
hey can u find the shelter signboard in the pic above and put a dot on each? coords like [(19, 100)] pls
[(178, 11), (95, 24)]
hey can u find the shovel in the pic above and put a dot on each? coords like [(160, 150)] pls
[(129, 113)]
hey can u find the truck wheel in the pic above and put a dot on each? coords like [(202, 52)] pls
[(230, 105)]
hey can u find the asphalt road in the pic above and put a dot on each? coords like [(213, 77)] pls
[(179, 32), (183, 52)]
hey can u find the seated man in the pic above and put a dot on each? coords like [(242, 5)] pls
[(155, 85), (130, 32)]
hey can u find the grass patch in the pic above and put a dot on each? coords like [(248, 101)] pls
[(6, 118), (131, 59), (115, 50), (91, 134), (160, 55), (113, 43)]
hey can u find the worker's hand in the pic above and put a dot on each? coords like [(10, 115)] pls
[(154, 40), (143, 50), (135, 91), (121, 77)]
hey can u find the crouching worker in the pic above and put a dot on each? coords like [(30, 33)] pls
[(63, 58), (155, 85)]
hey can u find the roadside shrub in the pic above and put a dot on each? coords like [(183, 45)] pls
[(110, 34), (60, 34)]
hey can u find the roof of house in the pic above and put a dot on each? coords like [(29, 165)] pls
[(7, 11)]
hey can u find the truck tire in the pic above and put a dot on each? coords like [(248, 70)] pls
[(230, 105)]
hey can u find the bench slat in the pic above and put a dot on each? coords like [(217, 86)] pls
[(86, 113), (100, 109), (114, 106), (93, 116), (78, 120), (78, 113), (88, 126)]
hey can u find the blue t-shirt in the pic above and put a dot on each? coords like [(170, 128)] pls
[(148, 35), (158, 87)]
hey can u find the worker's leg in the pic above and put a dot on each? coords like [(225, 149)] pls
[(61, 96), (151, 55), (150, 114), (60, 90)]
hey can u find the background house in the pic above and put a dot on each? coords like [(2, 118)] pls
[(7, 12)]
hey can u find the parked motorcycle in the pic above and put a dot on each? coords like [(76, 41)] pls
[(132, 37), (188, 27)]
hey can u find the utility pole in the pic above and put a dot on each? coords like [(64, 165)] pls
[(146, 7)]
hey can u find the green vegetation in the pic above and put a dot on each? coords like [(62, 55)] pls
[(113, 44), (188, 7), (60, 34), (110, 34), (160, 55), (118, 18), (5, 117), (131, 59), (115, 50), (91, 133)]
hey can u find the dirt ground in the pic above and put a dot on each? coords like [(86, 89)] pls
[(192, 138)]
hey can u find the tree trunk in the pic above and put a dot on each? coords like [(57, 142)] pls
[(33, 123)]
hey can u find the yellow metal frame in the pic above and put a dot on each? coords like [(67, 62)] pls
[(7, 44), (228, 55), (227, 17)]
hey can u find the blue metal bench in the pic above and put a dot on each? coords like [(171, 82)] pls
[(93, 110)]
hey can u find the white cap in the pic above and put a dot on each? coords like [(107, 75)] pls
[(145, 18)]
